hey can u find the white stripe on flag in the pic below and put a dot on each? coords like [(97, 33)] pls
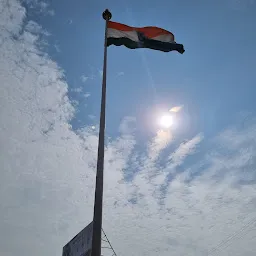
[(164, 38), (119, 34)]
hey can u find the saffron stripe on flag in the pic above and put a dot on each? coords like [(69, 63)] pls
[(149, 32)]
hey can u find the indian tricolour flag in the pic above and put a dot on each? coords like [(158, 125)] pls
[(145, 37)]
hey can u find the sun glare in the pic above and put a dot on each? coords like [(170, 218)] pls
[(166, 121)]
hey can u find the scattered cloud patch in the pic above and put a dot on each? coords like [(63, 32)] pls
[(91, 116), (75, 103), (160, 142), (35, 28), (241, 4), (185, 149), (120, 73), (86, 95), (128, 125), (57, 48), (39, 6), (94, 73), (176, 109), (77, 89), (84, 78)]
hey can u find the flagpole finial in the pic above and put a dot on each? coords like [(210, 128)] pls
[(107, 15)]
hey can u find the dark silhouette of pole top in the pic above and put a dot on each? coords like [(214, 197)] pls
[(107, 15)]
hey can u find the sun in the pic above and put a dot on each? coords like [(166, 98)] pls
[(166, 121)]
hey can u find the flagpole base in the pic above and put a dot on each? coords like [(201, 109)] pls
[(107, 15)]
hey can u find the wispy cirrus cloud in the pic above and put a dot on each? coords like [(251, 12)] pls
[(217, 212), (77, 89), (121, 73), (86, 95), (185, 149), (35, 28), (57, 48), (100, 73), (176, 109), (159, 142), (241, 4), (40, 6), (84, 78)]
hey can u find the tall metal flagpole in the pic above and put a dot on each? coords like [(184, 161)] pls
[(97, 216)]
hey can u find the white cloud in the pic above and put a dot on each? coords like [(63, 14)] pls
[(160, 142), (75, 103), (128, 125), (91, 116), (48, 171), (121, 73), (39, 6), (35, 28), (84, 78), (77, 89), (94, 73), (57, 48), (198, 212), (241, 4), (51, 12), (185, 149), (37, 184), (86, 95)]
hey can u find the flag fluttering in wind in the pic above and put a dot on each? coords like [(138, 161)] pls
[(146, 37)]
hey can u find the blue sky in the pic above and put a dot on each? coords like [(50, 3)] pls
[(214, 79), (186, 190)]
